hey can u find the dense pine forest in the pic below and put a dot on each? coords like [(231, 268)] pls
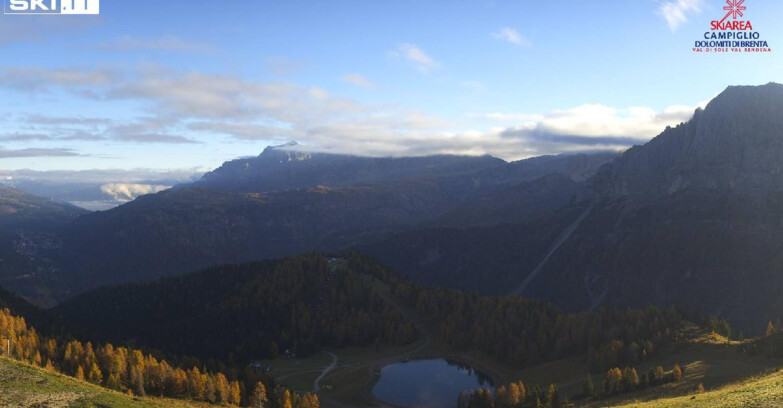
[(300, 305), (239, 313), (527, 332)]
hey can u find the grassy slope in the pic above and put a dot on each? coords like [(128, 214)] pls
[(23, 386), (764, 391)]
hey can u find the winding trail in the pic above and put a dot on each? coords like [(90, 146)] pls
[(325, 372), (552, 249)]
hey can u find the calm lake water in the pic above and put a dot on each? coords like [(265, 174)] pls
[(427, 383)]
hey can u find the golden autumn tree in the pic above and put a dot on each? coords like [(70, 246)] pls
[(613, 381), (677, 373), (259, 399), (95, 375), (234, 393), (197, 384), (308, 401), (285, 400)]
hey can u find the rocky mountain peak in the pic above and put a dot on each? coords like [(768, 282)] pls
[(734, 144)]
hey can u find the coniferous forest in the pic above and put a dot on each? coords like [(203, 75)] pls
[(238, 313), (303, 304)]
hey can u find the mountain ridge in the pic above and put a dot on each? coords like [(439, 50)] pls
[(265, 216), (692, 218)]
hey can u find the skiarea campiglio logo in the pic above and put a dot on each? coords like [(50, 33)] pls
[(732, 33)]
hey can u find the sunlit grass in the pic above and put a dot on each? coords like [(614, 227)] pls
[(22, 385), (763, 391)]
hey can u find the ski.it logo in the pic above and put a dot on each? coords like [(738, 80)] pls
[(51, 6)]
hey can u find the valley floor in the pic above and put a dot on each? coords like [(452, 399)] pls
[(345, 378), (732, 378)]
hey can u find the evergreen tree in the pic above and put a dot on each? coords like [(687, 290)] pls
[(589, 389), (553, 397), (463, 399), (770, 329), (501, 397)]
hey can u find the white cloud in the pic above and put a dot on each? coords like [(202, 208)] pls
[(596, 120), (32, 28), (104, 176), (223, 97), (588, 127), (282, 66), (416, 56), (127, 192), (359, 80), (245, 131), (167, 43), (512, 35), (42, 79), (37, 152), (676, 12), (180, 105)]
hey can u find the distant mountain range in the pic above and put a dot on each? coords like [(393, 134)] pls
[(693, 218), (287, 201)]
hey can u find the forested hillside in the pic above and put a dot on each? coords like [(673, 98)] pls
[(135, 372), (28, 235), (238, 313), (303, 304), (20, 209)]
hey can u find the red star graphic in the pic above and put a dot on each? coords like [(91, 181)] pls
[(734, 8)]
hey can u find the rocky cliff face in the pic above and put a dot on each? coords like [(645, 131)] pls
[(734, 144), (692, 218)]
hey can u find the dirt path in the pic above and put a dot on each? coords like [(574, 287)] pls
[(325, 372)]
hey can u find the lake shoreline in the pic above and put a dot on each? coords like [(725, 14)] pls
[(457, 362)]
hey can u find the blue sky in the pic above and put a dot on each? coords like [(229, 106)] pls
[(171, 85)]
